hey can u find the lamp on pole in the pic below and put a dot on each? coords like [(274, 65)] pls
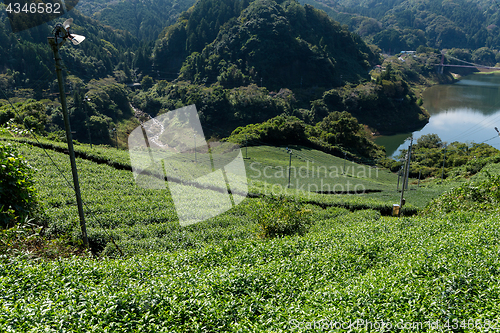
[(61, 33)]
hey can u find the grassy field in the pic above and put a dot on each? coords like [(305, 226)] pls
[(354, 266)]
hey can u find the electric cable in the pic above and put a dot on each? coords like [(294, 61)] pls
[(35, 137), (473, 130)]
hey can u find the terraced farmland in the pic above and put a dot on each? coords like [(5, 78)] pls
[(353, 265)]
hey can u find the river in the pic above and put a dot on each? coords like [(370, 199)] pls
[(465, 111)]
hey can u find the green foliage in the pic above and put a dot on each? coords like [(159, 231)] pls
[(404, 25), (220, 110), (484, 56), (17, 191), (336, 133), (194, 29), (281, 216), (97, 107), (473, 196), (146, 82), (145, 21), (29, 114), (362, 265), (249, 47), (461, 160), (378, 104), (29, 61), (278, 130), (429, 141), (218, 276)]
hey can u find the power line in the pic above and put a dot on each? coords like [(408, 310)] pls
[(68, 183), (473, 130)]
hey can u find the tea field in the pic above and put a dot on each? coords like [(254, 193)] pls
[(352, 267)]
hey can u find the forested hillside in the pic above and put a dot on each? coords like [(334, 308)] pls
[(310, 228), (403, 24), (143, 19), (26, 60), (241, 62), (271, 44)]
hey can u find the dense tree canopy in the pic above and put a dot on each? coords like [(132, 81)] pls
[(398, 25)]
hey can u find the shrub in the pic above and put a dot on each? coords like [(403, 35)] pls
[(17, 193), (478, 196), (280, 216)]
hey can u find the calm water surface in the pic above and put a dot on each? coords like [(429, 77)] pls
[(466, 111)]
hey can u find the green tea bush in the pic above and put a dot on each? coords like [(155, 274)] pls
[(483, 195), (17, 191), (281, 216), (475, 165)]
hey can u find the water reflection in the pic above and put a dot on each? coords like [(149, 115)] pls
[(466, 111)]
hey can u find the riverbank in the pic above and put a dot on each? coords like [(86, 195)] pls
[(461, 112), (420, 70)]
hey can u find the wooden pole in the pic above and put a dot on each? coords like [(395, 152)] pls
[(289, 167), (407, 167), (62, 95)]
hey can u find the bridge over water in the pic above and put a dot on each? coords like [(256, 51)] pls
[(465, 64)]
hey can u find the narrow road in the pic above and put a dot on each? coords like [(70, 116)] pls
[(152, 126)]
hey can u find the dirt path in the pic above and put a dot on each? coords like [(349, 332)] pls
[(153, 126)]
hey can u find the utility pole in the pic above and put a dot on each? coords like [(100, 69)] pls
[(113, 130), (408, 164), (407, 168), (403, 185), (86, 100), (289, 165), (400, 171), (345, 157), (195, 160), (60, 33)]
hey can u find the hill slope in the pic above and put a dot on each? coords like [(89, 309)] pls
[(143, 19), (269, 43), (405, 24), (26, 60), (220, 275)]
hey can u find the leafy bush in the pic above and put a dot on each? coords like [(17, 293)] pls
[(484, 195), (281, 216), (17, 192), (30, 114)]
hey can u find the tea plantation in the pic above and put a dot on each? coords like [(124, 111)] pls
[(285, 259)]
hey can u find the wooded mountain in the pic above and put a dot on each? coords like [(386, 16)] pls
[(268, 43), (241, 62), (143, 19), (406, 24), (26, 60)]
